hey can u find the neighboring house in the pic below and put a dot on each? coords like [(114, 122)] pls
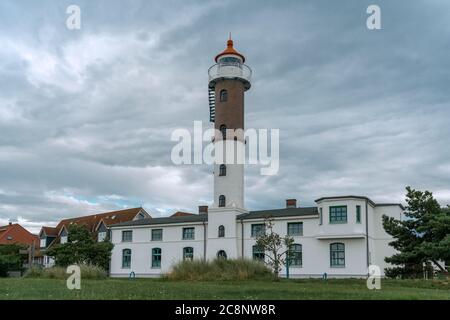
[(97, 224), (15, 233)]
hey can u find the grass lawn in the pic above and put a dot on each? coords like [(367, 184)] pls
[(26, 288)]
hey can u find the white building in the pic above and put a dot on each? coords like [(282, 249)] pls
[(341, 236)]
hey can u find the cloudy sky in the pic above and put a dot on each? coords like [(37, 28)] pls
[(86, 115)]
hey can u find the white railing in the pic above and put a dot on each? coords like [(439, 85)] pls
[(230, 70)]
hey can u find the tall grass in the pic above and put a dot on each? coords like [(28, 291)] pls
[(219, 269), (87, 272)]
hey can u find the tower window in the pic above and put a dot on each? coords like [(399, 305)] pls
[(223, 130), (223, 170), (221, 231), (223, 95), (222, 201)]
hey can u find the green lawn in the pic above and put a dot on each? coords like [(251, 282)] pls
[(163, 289)]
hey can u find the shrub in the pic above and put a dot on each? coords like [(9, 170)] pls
[(87, 272), (219, 269)]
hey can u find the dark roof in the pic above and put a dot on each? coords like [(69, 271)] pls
[(277, 213), (164, 220)]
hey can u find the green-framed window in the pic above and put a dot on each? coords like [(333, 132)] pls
[(320, 216), (156, 258), (358, 214), (295, 228), (258, 229), (188, 253), (126, 258), (188, 233), (338, 214), (337, 255), (295, 255), (258, 254), (127, 236), (157, 234)]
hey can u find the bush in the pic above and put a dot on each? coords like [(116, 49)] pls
[(88, 272), (219, 269)]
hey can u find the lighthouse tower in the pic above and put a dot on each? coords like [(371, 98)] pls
[(229, 78)]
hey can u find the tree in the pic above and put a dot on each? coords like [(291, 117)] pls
[(10, 258), (81, 248), (421, 238), (277, 248)]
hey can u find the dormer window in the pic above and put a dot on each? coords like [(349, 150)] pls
[(63, 239)]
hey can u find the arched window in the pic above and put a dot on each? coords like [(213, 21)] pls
[(223, 130), (221, 254), (188, 253), (221, 231), (126, 258), (223, 170), (337, 254), (156, 258), (295, 255), (258, 254), (222, 201), (223, 95)]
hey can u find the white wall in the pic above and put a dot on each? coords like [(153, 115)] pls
[(315, 241), (141, 248)]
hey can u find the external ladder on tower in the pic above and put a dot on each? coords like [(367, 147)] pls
[(212, 104)]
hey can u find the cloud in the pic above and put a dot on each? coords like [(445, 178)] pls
[(86, 116)]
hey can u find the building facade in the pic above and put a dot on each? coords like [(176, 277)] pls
[(340, 236), (97, 225)]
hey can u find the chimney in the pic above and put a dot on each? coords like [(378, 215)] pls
[(10, 223), (291, 203), (202, 209)]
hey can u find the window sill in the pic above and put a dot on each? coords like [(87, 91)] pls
[(337, 267), (343, 222), (156, 268)]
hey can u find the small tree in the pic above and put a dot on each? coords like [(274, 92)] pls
[(81, 248), (276, 247), (421, 238), (10, 258)]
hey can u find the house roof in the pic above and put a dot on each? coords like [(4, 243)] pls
[(181, 214), (15, 233), (165, 220), (92, 221), (362, 198), (279, 213)]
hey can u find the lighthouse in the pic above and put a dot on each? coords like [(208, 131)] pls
[(229, 79)]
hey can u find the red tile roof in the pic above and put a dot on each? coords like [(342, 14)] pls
[(92, 222), (15, 233), (181, 214)]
